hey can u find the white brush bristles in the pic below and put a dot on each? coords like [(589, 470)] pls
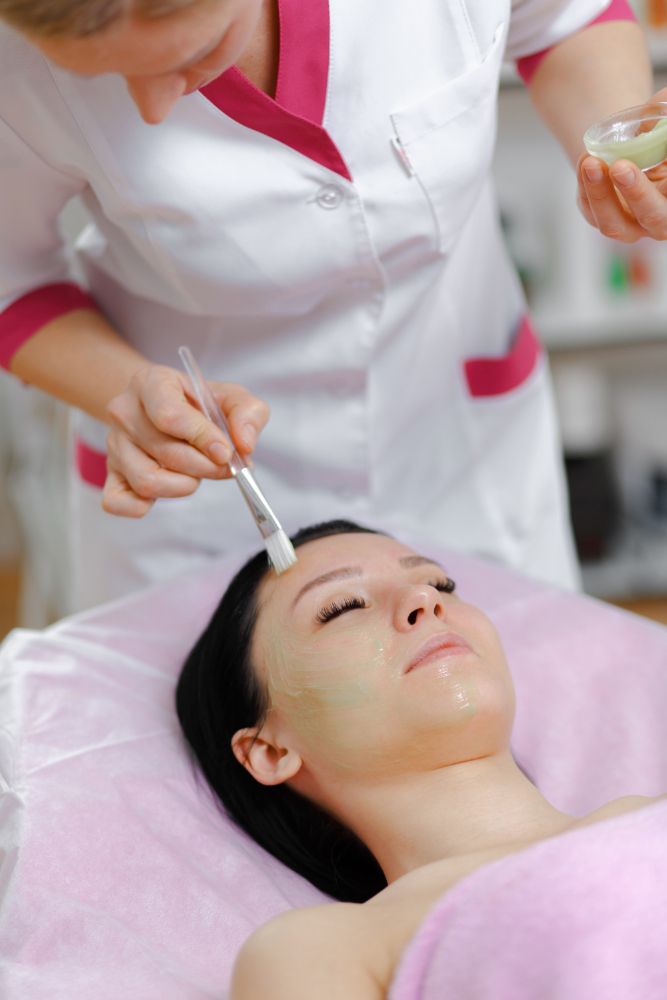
[(281, 551)]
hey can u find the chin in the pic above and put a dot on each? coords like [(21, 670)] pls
[(481, 708)]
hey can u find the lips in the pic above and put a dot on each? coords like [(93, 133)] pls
[(447, 644)]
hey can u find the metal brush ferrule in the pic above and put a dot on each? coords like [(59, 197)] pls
[(266, 520)]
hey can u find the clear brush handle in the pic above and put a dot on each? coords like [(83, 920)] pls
[(209, 405), (279, 547)]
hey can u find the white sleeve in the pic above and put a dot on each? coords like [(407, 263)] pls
[(32, 195), (539, 24), (38, 171)]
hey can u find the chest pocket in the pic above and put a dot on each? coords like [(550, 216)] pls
[(446, 141)]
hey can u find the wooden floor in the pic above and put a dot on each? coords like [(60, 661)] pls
[(649, 607), (9, 589)]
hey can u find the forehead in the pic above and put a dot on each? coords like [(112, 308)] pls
[(371, 553)]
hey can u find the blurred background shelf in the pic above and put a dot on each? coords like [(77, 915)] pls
[(658, 45), (636, 565), (625, 326), (600, 308)]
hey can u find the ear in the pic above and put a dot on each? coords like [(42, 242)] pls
[(264, 757)]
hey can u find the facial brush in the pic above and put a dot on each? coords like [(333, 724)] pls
[(278, 546)]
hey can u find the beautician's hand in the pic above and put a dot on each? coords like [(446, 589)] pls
[(161, 445), (621, 201)]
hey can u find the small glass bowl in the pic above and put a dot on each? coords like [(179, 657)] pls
[(636, 134)]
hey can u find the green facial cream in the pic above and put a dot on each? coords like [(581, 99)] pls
[(639, 138)]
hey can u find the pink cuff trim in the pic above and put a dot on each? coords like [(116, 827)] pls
[(618, 10), (494, 376), (32, 311), (90, 464)]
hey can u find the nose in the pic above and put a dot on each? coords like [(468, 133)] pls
[(416, 604), (155, 96)]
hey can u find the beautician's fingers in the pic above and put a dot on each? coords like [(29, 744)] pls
[(165, 397), (621, 201), (246, 414), (601, 205), (119, 499), (643, 195), (582, 196), (168, 452), (162, 393), (131, 471)]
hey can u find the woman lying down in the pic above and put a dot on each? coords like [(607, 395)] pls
[(354, 717)]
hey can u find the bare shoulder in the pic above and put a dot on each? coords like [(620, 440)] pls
[(323, 951), (626, 804)]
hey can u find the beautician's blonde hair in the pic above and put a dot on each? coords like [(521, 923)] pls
[(80, 18)]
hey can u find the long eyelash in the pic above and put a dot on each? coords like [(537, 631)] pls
[(335, 609), (447, 586)]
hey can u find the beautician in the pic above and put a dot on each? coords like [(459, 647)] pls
[(300, 191)]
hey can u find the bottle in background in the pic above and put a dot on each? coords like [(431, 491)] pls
[(656, 13)]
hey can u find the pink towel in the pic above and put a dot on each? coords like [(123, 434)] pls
[(579, 917)]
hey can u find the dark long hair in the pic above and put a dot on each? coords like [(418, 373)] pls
[(217, 694)]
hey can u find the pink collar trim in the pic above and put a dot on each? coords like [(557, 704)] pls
[(295, 116)]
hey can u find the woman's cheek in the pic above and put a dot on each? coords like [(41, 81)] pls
[(476, 627), (334, 673)]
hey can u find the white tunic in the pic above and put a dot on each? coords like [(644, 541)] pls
[(349, 270)]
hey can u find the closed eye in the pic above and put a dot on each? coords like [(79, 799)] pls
[(337, 608)]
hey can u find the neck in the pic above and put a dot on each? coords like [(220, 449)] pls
[(479, 805)]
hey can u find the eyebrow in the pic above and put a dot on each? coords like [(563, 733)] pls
[(346, 572)]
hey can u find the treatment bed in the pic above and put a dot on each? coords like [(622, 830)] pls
[(120, 877)]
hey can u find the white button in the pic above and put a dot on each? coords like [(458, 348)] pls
[(329, 197)]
